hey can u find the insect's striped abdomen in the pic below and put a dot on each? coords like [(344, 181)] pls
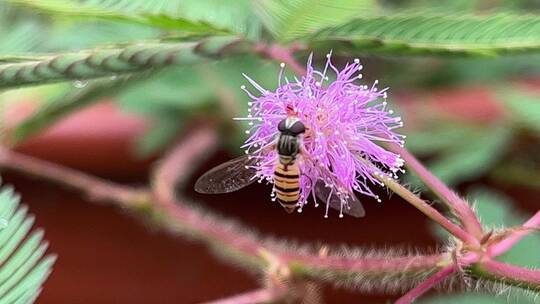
[(287, 185)]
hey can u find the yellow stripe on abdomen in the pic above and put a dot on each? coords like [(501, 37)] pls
[(287, 183)]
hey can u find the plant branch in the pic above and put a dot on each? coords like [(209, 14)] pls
[(507, 243), (509, 274), (431, 212), (425, 286), (460, 207), (175, 170), (282, 54), (263, 295), (95, 188), (131, 58), (238, 244)]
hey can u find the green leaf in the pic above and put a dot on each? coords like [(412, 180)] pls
[(469, 156), (179, 94), (23, 267), (430, 33), (113, 61), (202, 16), (162, 133), (289, 19), (438, 138), (516, 296), (22, 37), (525, 108), (76, 35)]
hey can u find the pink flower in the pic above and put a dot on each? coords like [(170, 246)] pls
[(344, 123)]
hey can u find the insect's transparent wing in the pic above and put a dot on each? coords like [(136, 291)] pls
[(227, 177), (353, 208)]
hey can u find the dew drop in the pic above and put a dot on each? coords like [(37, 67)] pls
[(79, 84), (3, 223), (113, 77)]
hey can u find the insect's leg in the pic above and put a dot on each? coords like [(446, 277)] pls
[(311, 189)]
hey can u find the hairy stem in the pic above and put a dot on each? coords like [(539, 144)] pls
[(263, 295), (134, 58), (425, 286), (507, 243), (175, 215), (175, 170), (460, 207), (431, 212), (95, 188), (509, 274), (282, 54)]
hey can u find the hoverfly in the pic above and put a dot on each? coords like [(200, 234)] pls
[(240, 172)]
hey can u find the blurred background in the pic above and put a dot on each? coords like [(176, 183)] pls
[(473, 120)]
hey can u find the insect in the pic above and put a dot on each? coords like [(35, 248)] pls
[(240, 172)]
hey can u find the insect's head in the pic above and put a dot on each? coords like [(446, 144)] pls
[(291, 126)]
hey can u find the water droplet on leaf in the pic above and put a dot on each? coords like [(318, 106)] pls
[(79, 84)]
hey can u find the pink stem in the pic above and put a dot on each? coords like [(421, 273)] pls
[(507, 243), (425, 286), (175, 169), (431, 212), (263, 295), (458, 205), (96, 188), (510, 274), (371, 264), (282, 54), (465, 260)]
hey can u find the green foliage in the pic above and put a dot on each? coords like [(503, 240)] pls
[(525, 108), (131, 58), (70, 35), (176, 95), (287, 20), (463, 153), (23, 266), (444, 34), (21, 38), (161, 134), (497, 211), (204, 16)]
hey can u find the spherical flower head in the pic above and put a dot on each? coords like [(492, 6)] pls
[(345, 123)]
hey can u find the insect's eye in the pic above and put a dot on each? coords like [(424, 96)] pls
[(282, 126), (297, 128)]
